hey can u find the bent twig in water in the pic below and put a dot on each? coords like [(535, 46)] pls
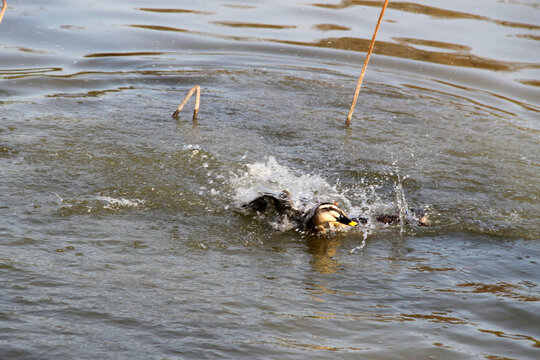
[(361, 77), (197, 101), (4, 7)]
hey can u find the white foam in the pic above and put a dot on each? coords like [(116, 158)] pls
[(122, 202), (194, 149), (270, 176)]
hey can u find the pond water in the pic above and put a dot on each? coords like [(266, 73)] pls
[(121, 230)]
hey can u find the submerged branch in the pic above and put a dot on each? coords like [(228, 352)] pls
[(184, 102), (361, 77)]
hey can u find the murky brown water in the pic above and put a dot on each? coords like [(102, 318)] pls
[(120, 230)]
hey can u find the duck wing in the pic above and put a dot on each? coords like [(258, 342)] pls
[(281, 202), (421, 216)]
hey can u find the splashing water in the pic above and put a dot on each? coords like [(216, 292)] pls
[(87, 204), (403, 214), (309, 189), (112, 203), (401, 203), (361, 246), (270, 176)]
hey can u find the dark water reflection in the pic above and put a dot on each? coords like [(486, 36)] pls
[(120, 231)]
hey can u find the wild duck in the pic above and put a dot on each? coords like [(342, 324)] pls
[(323, 216)]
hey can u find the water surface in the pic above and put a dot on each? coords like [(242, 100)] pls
[(121, 233)]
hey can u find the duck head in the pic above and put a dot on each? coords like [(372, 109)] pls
[(328, 214)]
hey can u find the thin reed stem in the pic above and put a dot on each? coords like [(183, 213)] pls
[(196, 88), (361, 77), (4, 7)]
